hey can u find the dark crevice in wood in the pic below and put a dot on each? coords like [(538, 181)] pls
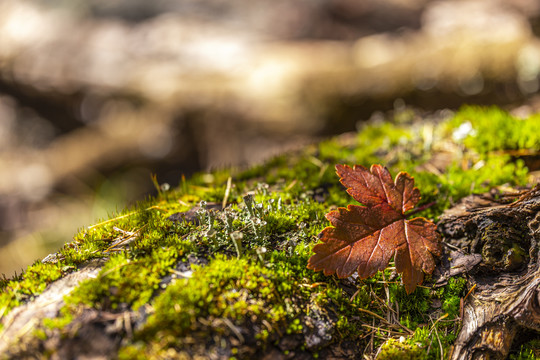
[(506, 299)]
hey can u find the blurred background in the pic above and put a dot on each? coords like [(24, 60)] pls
[(96, 95)]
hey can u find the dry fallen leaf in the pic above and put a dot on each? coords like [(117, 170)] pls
[(364, 238)]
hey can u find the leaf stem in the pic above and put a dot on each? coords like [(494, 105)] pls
[(421, 208)]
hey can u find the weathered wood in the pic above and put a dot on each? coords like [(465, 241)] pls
[(506, 293), (21, 322)]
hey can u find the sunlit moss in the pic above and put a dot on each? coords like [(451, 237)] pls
[(238, 291), (486, 129), (456, 182), (395, 350), (34, 280), (366, 149), (131, 278)]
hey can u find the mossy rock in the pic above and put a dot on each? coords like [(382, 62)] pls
[(216, 267)]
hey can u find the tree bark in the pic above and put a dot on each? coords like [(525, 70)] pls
[(504, 297)]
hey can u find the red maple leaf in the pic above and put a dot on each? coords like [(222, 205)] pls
[(364, 238)]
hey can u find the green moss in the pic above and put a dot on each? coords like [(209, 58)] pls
[(396, 350), (294, 327), (494, 129), (367, 145), (528, 351), (261, 296), (130, 278), (214, 290), (40, 334), (247, 294), (425, 343), (451, 294), (65, 317), (430, 333), (260, 172), (31, 283), (412, 307), (448, 188)]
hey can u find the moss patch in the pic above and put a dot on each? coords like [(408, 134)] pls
[(492, 129)]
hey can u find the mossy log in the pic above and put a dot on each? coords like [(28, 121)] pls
[(505, 282), (217, 268)]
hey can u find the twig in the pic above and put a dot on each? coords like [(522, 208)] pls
[(127, 324), (291, 185), (371, 340), (393, 332), (369, 344), (421, 208), (381, 301), (125, 216), (468, 293), (131, 236), (373, 314), (438, 338), (436, 321), (354, 295), (399, 325), (234, 329), (153, 177), (227, 191), (452, 247), (105, 273), (387, 293), (433, 327)]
